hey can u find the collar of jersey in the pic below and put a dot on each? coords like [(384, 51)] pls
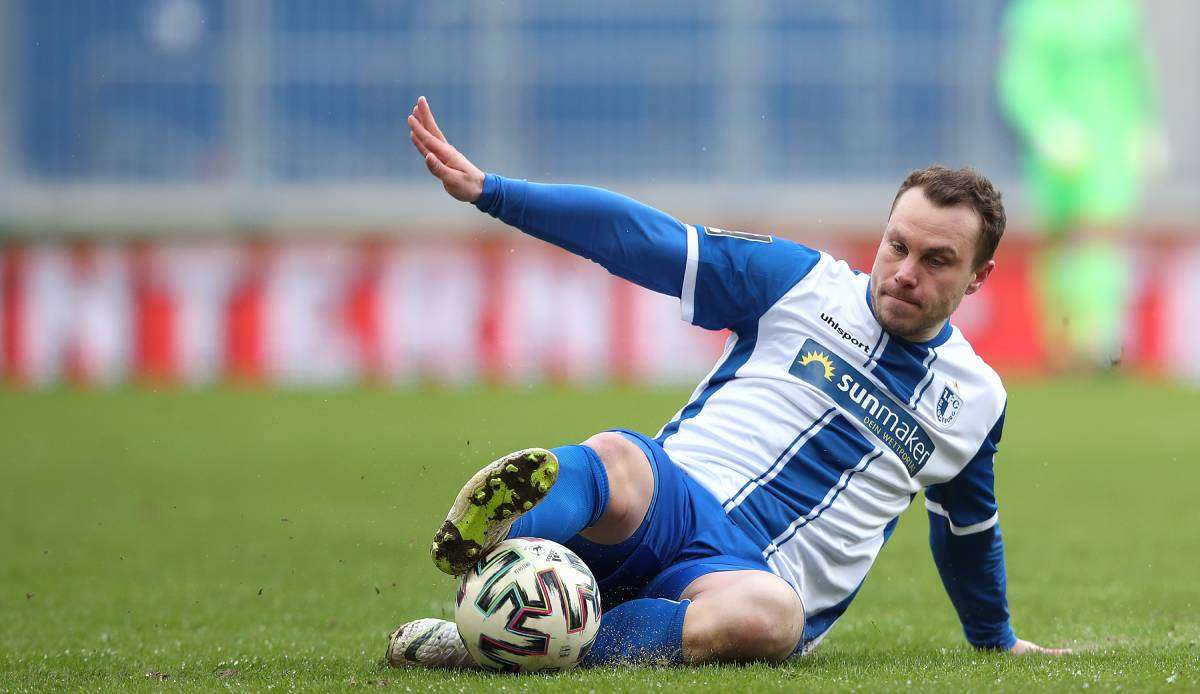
[(935, 341)]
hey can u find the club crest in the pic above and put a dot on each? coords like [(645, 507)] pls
[(948, 405)]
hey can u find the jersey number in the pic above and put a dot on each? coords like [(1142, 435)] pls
[(743, 235)]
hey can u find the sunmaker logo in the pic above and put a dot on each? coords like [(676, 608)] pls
[(845, 334), (863, 400)]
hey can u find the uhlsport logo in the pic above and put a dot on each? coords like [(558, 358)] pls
[(948, 406), (846, 335), (863, 400)]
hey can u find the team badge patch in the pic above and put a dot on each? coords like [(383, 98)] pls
[(948, 406)]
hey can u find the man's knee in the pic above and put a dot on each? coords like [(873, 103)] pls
[(630, 487), (762, 623), (762, 633)]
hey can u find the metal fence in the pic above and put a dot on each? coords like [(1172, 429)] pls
[(164, 113)]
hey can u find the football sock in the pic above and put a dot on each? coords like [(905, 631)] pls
[(605, 560), (640, 630), (575, 502)]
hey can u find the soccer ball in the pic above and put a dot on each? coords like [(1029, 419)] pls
[(528, 605)]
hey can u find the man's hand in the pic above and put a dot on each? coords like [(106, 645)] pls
[(1023, 647), (461, 179)]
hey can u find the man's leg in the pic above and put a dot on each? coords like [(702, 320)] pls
[(603, 487), (739, 616), (705, 609), (603, 491), (726, 616)]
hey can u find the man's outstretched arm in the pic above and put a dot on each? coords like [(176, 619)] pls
[(964, 535), (629, 239), (722, 279)]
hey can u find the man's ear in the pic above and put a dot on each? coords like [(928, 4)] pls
[(981, 274)]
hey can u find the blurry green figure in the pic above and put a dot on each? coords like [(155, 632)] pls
[(1075, 85)]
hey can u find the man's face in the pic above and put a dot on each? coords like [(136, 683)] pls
[(925, 265)]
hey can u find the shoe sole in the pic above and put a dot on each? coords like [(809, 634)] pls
[(485, 509)]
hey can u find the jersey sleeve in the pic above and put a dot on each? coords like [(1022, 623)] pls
[(723, 279), (732, 277), (964, 535), (631, 240)]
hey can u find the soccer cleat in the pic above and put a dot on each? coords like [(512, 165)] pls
[(488, 504), (428, 642)]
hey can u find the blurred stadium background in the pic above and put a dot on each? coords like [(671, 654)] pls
[(195, 191)]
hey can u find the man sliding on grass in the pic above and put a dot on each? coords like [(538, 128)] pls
[(745, 527)]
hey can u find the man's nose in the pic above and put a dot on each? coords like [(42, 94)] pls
[(906, 274)]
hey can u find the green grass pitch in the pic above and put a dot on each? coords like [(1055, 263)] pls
[(256, 540)]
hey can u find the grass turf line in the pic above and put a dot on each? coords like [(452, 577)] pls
[(271, 540)]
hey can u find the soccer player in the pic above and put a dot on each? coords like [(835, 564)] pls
[(1091, 136), (745, 527)]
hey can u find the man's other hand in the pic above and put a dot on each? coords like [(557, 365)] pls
[(1023, 647), (461, 179)]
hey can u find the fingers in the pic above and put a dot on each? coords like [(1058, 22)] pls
[(437, 168), (425, 115), (1053, 652), (432, 162), (417, 143), (462, 179), (441, 148), (1023, 647)]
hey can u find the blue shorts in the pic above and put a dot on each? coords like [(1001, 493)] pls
[(686, 534)]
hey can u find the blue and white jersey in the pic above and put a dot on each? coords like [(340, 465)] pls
[(816, 428)]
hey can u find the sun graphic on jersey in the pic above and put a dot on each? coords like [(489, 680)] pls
[(819, 358)]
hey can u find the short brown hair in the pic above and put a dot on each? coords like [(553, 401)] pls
[(949, 187)]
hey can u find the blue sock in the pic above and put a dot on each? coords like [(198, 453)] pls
[(575, 502), (640, 630)]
